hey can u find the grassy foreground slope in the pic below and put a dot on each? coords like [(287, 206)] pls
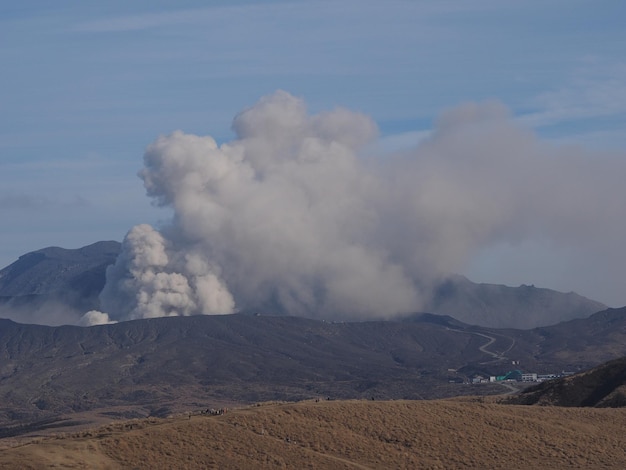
[(347, 434)]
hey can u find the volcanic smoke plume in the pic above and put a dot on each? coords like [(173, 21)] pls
[(296, 216)]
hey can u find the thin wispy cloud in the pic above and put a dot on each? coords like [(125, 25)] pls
[(282, 10), (22, 202), (145, 21), (596, 90)]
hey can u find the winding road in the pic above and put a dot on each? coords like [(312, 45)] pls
[(496, 355)]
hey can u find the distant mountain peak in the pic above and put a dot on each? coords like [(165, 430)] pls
[(500, 306), (66, 278)]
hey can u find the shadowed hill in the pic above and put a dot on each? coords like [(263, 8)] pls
[(602, 386), (586, 342)]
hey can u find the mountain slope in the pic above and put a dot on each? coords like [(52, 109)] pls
[(500, 306), (603, 386), (574, 344), (151, 367), (148, 363), (55, 279), (344, 435)]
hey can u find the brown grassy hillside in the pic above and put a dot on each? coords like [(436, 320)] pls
[(347, 434)]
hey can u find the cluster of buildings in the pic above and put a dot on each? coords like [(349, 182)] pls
[(533, 377), (518, 376)]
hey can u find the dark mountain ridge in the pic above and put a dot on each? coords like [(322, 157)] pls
[(155, 366)]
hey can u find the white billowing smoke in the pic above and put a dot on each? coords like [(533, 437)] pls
[(290, 217), (94, 317), (150, 279)]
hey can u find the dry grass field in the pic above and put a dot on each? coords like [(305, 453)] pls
[(442, 434)]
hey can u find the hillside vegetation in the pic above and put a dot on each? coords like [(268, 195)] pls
[(346, 434)]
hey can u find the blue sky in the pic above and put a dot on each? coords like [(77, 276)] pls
[(86, 86)]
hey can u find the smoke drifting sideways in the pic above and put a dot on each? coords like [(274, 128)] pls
[(296, 215)]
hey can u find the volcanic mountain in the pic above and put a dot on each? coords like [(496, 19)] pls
[(55, 286), (158, 366)]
